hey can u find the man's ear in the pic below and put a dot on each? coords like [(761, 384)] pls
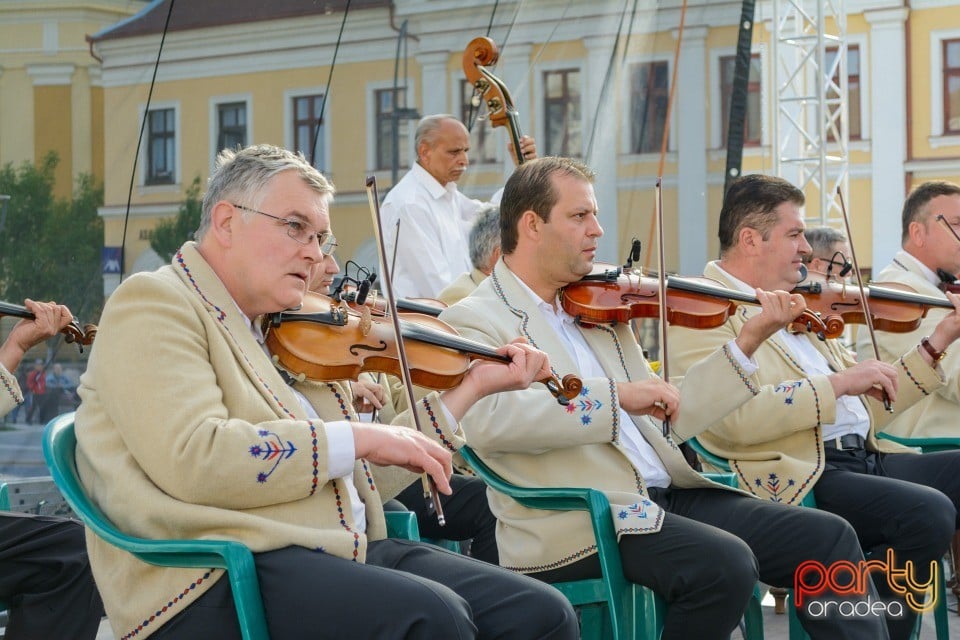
[(223, 219), (748, 240), (530, 224), (917, 232)]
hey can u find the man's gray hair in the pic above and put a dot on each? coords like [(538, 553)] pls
[(822, 241), (427, 129), (241, 176), (484, 236)]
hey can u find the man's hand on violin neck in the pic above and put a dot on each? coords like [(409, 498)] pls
[(652, 397), (401, 447), (948, 330), (777, 310), (870, 377)]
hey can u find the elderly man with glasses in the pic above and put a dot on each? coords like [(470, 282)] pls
[(187, 430)]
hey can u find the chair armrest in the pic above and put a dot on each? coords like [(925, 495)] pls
[(402, 524), (926, 445), (563, 499), (712, 459)]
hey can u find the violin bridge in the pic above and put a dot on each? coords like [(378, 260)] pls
[(366, 320)]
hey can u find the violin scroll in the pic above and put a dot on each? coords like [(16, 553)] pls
[(73, 332)]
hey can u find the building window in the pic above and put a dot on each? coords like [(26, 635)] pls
[(231, 125), (853, 90), (306, 120), (752, 124), (563, 123), (649, 94), (389, 111), (483, 144), (161, 143), (951, 86)]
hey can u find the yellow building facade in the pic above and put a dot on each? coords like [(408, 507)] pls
[(50, 93), (224, 77)]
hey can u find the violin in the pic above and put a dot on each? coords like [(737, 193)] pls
[(611, 296), (325, 341), (480, 52), (74, 332), (894, 307)]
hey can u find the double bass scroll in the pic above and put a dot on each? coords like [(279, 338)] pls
[(480, 52)]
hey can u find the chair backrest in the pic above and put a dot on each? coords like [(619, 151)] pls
[(39, 496), (713, 460), (59, 448)]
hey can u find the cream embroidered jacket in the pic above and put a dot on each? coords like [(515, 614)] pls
[(938, 414), (529, 439), (10, 393), (186, 430), (774, 441)]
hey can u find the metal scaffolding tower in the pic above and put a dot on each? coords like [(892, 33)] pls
[(809, 56)]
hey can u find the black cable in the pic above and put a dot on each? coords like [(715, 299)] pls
[(323, 105), (143, 126)]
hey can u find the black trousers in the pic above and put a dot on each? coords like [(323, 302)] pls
[(713, 547), (405, 590), (467, 514), (904, 502), (45, 579)]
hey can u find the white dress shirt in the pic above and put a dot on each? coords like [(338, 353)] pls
[(642, 456), (432, 247), (852, 416)]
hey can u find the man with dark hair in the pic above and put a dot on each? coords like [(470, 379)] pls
[(698, 544), (811, 423), (431, 248), (929, 255)]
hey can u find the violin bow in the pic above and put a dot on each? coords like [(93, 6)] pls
[(662, 295), (863, 296), (431, 494)]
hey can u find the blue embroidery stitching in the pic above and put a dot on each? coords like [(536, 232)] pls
[(271, 450)]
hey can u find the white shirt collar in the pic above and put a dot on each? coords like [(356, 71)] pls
[(907, 259), (737, 282), (555, 309), (433, 186)]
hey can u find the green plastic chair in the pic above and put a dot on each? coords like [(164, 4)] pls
[(797, 632), (59, 449), (633, 611)]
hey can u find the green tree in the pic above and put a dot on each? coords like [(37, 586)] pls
[(50, 249), (169, 234)]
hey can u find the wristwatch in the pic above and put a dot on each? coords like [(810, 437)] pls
[(929, 348)]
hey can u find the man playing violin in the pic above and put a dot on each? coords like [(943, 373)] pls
[(930, 255), (431, 249), (811, 422), (466, 510), (700, 545), (187, 430), (45, 577)]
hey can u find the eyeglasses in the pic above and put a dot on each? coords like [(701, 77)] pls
[(301, 232)]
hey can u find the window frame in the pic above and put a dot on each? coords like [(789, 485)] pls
[(628, 122), (289, 125), (372, 131), (215, 103), (540, 92), (146, 185)]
